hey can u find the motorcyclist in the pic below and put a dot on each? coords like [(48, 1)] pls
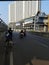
[(10, 33), (21, 33), (9, 43)]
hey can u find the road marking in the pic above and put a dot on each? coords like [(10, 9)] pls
[(11, 58), (44, 45)]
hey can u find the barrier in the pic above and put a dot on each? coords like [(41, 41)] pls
[(43, 34)]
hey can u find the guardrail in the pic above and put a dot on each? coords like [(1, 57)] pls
[(43, 34)]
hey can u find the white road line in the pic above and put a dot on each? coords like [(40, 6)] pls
[(44, 45), (11, 58)]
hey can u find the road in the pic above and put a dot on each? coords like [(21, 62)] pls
[(28, 48), (31, 50)]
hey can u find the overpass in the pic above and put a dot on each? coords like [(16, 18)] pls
[(31, 22)]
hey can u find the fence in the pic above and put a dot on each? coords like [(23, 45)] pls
[(43, 34)]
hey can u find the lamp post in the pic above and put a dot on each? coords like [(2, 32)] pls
[(0, 19), (34, 23)]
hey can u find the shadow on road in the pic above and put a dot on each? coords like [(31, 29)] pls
[(25, 50)]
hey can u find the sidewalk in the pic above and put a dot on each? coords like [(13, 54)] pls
[(2, 49), (38, 62)]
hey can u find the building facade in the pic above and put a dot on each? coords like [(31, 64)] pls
[(11, 12), (23, 9)]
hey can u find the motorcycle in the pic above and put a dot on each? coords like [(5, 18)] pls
[(21, 34), (9, 41)]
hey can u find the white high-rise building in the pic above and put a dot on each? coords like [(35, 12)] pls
[(23, 9), (12, 12)]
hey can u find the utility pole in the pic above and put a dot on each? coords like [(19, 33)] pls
[(34, 23)]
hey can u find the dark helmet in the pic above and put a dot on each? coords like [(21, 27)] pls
[(21, 30), (9, 28)]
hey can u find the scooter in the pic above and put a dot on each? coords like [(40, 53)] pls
[(21, 35), (9, 41)]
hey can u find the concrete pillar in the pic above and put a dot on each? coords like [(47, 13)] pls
[(48, 23), (44, 28), (34, 23), (21, 25)]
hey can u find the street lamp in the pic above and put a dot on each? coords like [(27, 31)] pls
[(34, 23), (0, 19)]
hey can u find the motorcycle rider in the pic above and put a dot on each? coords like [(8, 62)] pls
[(21, 33), (9, 35)]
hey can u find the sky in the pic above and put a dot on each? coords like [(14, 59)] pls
[(4, 9)]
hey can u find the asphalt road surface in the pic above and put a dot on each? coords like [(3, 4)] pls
[(28, 48), (26, 51)]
